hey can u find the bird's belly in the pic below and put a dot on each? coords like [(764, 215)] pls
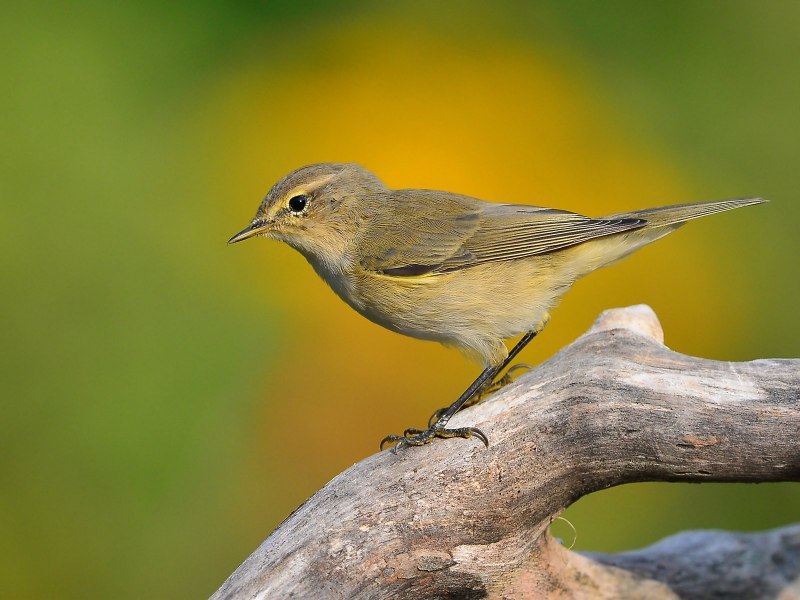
[(472, 309)]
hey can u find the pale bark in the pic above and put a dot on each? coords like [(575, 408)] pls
[(456, 520)]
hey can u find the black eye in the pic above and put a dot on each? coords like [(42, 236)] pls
[(298, 203)]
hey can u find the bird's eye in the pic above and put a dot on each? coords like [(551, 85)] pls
[(298, 203)]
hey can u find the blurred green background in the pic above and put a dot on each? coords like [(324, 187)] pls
[(152, 378)]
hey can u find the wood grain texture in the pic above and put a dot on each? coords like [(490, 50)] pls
[(456, 520)]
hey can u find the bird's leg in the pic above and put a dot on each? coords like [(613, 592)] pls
[(436, 428), (490, 385), (488, 388), (497, 384)]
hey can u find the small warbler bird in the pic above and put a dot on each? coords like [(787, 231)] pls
[(450, 268)]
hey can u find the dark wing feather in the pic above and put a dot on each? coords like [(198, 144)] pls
[(511, 231), (434, 232)]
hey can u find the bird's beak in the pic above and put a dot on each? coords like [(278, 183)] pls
[(253, 229)]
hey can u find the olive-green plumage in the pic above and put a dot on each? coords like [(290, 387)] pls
[(445, 267), (450, 268)]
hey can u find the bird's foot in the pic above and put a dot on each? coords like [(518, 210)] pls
[(420, 437)]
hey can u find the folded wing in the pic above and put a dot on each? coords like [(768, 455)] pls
[(427, 233)]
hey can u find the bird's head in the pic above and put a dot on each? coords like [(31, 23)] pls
[(316, 209)]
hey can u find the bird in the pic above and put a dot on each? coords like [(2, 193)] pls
[(446, 267)]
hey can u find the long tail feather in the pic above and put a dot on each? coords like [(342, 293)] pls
[(679, 213)]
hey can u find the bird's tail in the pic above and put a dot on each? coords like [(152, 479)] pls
[(676, 215), (659, 222)]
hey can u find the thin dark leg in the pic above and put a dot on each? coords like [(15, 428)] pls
[(484, 378), (488, 375), (415, 437)]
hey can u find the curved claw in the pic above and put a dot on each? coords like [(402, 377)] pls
[(465, 432), (480, 435), (392, 437), (398, 445), (412, 431), (420, 437)]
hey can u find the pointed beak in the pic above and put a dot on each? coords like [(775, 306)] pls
[(249, 231)]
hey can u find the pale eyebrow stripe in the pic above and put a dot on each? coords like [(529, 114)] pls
[(311, 186)]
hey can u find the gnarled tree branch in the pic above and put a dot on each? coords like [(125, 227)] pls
[(458, 520)]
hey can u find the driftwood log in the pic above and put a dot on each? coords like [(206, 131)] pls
[(457, 520)]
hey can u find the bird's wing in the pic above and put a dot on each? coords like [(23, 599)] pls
[(511, 231), (441, 232), (417, 231)]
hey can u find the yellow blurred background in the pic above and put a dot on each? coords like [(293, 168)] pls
[(168, 399)]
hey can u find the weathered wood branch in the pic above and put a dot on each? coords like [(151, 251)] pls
[(456, 520)]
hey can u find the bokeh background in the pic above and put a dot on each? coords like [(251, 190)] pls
[(167, 400)]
